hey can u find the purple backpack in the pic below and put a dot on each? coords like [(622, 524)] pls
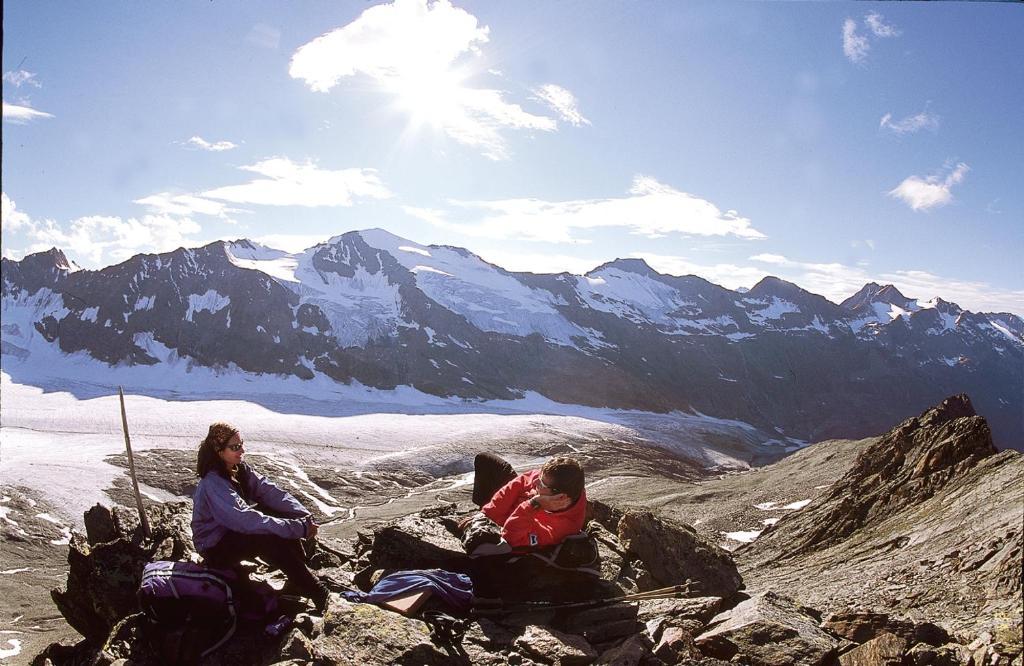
[(174, 595)]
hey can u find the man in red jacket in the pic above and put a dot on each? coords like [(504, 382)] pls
[(535, 509)]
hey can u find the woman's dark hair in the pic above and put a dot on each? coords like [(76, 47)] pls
[(218, 437), (567, 476)]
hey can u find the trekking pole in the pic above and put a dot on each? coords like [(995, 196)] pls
[(131, 468), (499, 608)]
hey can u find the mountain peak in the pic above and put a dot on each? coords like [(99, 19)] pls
[(628, 265), (773, 286), (901, 469), (382, 238), (872, 292), (54, 258)]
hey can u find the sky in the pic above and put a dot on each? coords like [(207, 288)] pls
[(829, 144)]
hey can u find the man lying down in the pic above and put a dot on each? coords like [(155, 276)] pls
[(536, 509)]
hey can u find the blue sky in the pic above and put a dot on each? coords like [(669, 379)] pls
[(829, 144)]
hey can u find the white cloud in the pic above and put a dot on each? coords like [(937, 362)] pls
[(727, 275), (99, 239), (287, 183), (562, 102), (217, 146), (925, 193), (837, 282), (291, 242), (21, 77), (910, 124), (651, 209), (879, 27), (21, 115), (855, 46), (416, 51), (12, 219), (539, 262), (165, 203), (390, 40)]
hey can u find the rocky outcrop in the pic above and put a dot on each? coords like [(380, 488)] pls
[(864, 626), (106, 564), (673, 553), (926, 522), (916, 459), (366, 634), (768, 630)]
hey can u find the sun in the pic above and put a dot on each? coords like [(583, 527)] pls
[(432, 95)]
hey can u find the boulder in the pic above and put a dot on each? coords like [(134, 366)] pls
[(613, 559), (104, 576), (485, 641), (673, 553), (862, 626), (676, 646), (296, 645), (701, 609), (630, 653), (604, 623), (551, 646), (412, 542), (767, 630), (884, 650), (99, 525), (923, 654), (366, 634)]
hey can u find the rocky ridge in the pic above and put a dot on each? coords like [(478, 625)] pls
[(927, 522)]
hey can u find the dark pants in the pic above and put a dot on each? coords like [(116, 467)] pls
[(283, 554), (490, 473)]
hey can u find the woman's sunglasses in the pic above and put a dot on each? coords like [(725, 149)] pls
[(234, 447)]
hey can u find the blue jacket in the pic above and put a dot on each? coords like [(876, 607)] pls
[(219, 508)]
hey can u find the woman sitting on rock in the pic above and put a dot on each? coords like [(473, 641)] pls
[(238, 514)]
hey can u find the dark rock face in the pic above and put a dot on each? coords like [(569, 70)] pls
[(926, 522), (413, 542), (753, 356), (861, 627), (366, 634), (904, 468), (106, 567), (885, 650), (672, 554), (768, 630)]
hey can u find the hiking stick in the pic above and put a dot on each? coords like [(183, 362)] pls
[(131, 467), (673, 592)]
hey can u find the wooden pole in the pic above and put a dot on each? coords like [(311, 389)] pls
[(131, 468)]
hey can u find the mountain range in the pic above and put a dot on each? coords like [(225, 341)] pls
[(370, 307)]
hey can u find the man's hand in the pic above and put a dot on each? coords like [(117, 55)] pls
[(312, 530), (559, 502)]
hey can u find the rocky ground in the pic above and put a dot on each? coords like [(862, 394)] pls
[(904, 548), (34, 561)]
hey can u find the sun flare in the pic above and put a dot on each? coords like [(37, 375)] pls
[(431, 96)]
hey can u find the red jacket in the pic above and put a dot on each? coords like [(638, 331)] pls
[(522, 524)]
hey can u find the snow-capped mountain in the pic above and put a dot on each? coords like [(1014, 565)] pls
[(384, 311)]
